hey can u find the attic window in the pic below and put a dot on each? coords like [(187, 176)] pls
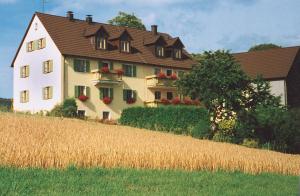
[(125, 46), (177, 53), (101, 43), (160, 51)]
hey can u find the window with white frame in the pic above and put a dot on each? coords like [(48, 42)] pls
[(101, 43), (24, 96), (81, 65), (24, 71), (125, 46), (177, 53), (47, 92), (30, 46), (81, 90), (41, 43), (169, 72), (129, 70), (160, 51)]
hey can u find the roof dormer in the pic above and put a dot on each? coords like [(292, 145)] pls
[(158, 44), (124, 39), (176, 47)]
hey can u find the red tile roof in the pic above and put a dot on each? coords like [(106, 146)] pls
[(271, 64), (70, 36)]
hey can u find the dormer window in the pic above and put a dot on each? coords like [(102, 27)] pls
[(160, 51), (125, 46), (101, 43), (177, 53)]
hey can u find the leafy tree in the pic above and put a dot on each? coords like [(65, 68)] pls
[(197, 56), (263, 47), (127, 20)]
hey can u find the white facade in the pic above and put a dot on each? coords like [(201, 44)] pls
[(37, 80), (278, 88)]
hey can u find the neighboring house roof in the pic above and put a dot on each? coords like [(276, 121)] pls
[(71, 38), (271, 63)]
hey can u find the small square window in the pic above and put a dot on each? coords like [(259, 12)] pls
[(157, 95), (81, 113), (105, 115), (169, 72), (169, 95)]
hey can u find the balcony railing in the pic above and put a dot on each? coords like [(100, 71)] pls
[(161, 83), (154, 103), (111, 77)]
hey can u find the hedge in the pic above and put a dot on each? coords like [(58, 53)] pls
[(177, 119)]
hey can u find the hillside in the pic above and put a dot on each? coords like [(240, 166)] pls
[(34, 141)]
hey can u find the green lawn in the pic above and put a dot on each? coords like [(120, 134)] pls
[(136, 182)]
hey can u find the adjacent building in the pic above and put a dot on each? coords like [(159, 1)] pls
[(106, 68), (280, 66)]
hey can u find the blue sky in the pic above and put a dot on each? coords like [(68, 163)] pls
[(201, 24)]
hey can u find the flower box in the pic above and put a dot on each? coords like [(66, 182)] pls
[(83, 98), (107, 100), (120, 72), (176, 101), (173, 77), (130, 101), (105, 69), (165, 101), (161, 75)]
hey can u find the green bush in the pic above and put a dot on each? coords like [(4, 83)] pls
[(67, 109), (176, 119), (219, 136), (202, 130), (251, 143)]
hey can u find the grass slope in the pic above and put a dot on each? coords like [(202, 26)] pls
[(146, 182)]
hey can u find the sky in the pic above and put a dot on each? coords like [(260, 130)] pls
[(235, 25)]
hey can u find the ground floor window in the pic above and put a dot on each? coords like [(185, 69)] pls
[(81, 113), (169, 95), (157, 95), (105, 115)]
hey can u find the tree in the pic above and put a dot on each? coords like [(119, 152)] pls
[(263, 47), (197, 56), (127, 20)]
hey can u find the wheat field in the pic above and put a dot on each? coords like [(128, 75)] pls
[(34, 141)]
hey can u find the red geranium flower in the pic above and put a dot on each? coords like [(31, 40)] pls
[(83, 98), (161, 75), (165, 101), (105, 69), (130, 101), (107, 100), (176, 101), (187, 101), (173, 76)]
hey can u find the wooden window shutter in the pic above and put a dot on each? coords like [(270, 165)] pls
[(100, 65), (21, 72), (27, 96), (76, 91), (27, 46), (76, 65), (124, 94), (111, 65), (87, 91), (50, 65), (44, 67), (50, 92), (35, 44), (134, 94), (101, 93), (133, 71), (44, 93), (44, 43), (87, 64), (111, 93), (27, 70)]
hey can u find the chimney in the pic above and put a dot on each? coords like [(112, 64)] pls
[(70, 15), (89, 19), (154, 29)]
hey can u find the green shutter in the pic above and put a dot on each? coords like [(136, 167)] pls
[(101, 93), (134, 94), (100, 65), (76, 91), (124, 95), (88, 91), (111, 65), (133, 71), (87, 64), (125, 70), (111, 90)]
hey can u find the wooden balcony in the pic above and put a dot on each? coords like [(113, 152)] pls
[(153, 82), (106, 78)]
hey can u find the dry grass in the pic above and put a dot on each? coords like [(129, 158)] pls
[(33, 141)]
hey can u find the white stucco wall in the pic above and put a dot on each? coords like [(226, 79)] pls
[(278, 88), (37, 80)]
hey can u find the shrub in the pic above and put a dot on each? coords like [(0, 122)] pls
[(219, 136), (202, 130), (251, 143), (176, 101), (177, 119), (67, 109)]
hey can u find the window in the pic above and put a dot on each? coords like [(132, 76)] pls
[(157, 95), (129, 94), (24, 96), (160, 51), (81, 65), (101, 43), (177, 53), (30, 46), (47, 66), (180, 74), (41, 43), (129, 70), (125, 46), (105, 115), (106, 92), (102, 64), (169, 72), (47, 92), (169, 95), (24, 71), (157, 70), (81, 113), (82, 90)]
